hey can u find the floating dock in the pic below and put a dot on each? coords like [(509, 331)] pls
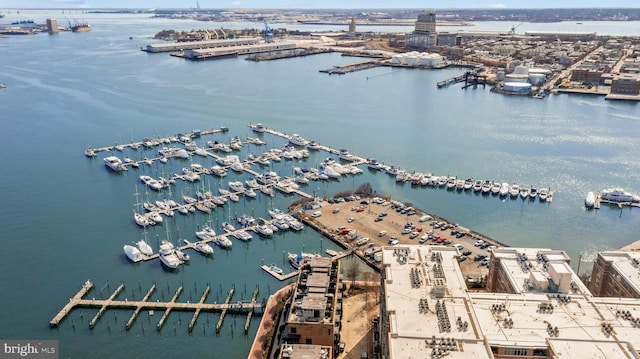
[(279, 276), (77, 301), (358, 66)]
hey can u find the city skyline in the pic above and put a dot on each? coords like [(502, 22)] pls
[(309, 4)]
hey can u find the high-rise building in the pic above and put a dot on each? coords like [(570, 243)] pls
[(52, 25), (424, 36)]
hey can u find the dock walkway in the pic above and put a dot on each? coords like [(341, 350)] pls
[(77, 301)]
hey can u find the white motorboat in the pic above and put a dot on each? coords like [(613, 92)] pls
[(468, 183), (295, 224), (590, 200), (514, 190), (281, 224), (618, 195), (374, 164), (155, 217), (115, 164), (141, 220), (151, 182), (495, 187), (144, 247), (90, 152), (459, 185), (275, 269), (346, 156), (203, 248), (263, 230), (451, 182), (486, 186), (246, 221), (524, 192), (223, 242), (533, 193), (132, 253), (242, 235), (296, 259), (182, 256), (218, 171), (228, 227), (249, 192), (313, 145), (168, 256), (234, 197), (237, 166), (297, 140), (543, 193), (504, 189), (206, 234), (258, 127), (267, 190), (236, 186), (331, 172), (252, 183), (189, 199)]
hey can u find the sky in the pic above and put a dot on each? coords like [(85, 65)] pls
[(326, 4)]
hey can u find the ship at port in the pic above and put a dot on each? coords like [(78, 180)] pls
[(80, 27)]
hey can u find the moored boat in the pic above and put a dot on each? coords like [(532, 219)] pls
[(132, 253), (590, 200)]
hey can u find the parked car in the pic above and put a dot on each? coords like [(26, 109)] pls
[(335, 210), (350, 219), (479, 243), (378, 219)]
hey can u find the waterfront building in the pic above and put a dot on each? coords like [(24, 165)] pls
[(314, 314), (540, 309), (626, 84), (52, 25), (424, 36), (586, 75), (615, 274), (180, 46)]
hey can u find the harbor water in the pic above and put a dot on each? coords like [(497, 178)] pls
[(65, 218)]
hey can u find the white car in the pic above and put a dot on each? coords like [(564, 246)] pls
[(394, 242), (424, 218), (382, 233), (479, 243), (351, 219), (424, 238), (316, 214)]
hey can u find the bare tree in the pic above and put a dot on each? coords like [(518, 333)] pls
[(352, 272)]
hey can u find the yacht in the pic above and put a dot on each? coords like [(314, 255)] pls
[(618, 195), (263, 230), (144, 247), (151, 182), (514, 190), (477, 186), (504, 189), (242, 235), (468, 183), (218, 171), (346, 156), (590, 200), (203, 248), (486, 186), (373, 164), (206, 234), (297, 140), (168, 256), (132, 253), (114, 163), (141, 220), (542, 194), (236, 186), (313, 145), (495, 188), (295, 224), (223, 242), (249, 192), (281, 224), (258, 127)]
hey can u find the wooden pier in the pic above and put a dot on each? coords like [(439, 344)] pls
[(278, 276), (77, 301), (224, 311), (247, 323)]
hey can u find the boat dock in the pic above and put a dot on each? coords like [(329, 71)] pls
[(254, 297), (77, 301), (278, 276), (286, 55), (358, 66), (470, 78)]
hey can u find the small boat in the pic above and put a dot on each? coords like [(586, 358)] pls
[(263, 230), (114, 164), (590, 200), (223, 242), (373, 164), (346, 156), (132, 253), (477, 186), (524, 192), (258, 127), (514, 190), (486, 186), (468, 183), (533, 192), (168, 256), (90, 152), (313, 145), (249, 192), (451, 182), (203, 248), (504, 189), (297, 140), (275, 269), (542, 194), (495, 188), (184, 257), (141, 220), (242, 235), (144, 247)]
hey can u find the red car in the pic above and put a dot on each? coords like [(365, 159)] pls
[(344, 231), (359, 209), (419, 229)]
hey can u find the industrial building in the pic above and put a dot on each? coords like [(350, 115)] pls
[(625, 84), (315, 311), (424, 36), (535, 307), (191, 45)]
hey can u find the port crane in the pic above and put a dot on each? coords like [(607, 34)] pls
[(513, 28), (268, 35)]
